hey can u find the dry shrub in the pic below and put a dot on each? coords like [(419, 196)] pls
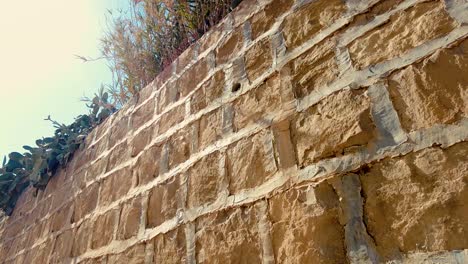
[(141, 42)]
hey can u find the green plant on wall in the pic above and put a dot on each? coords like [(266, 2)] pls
[(39, 163)]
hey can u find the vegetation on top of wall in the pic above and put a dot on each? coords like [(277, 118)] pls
[(39, 163), (138, 45)]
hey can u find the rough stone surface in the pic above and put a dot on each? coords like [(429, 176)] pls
[(170, 247), (305, 227), (310, 19), (252, 106), (339, 124), (103, 228), (130, 218), (405, 30), (211, 90), (229, 236), (295, 131), (210, 128), (434, 90), (164, 200), (204, 180), (418, 202), (313, 69), (134, 255), (251, 162), (258, 59)]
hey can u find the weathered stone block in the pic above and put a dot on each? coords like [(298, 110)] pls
[(305, 226), (164, 201), (417, 202), (119, 129), (258, 102), (85, 202), (62, 247), (210, 128), (310, 19), (135, 255), (258, 59), (405, 30), (143, 114), (168, 95), (170, 247), (147, 166), (314, 68), (250, 161), (172, 118), (96, 169), (61, 218), (120, 154), (81, 239), (103, 228), (338, 124), (378, 8), (211, 90), (262, 21), (230, 46), (204, 180), (130, 218), (240, 243), (115, 186), (192, 77), (141, 140), (180, 146), (434, 90)]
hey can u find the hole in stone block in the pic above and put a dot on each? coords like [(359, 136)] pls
[(236, 87)]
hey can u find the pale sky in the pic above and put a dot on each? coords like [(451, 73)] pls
[(39, 74)]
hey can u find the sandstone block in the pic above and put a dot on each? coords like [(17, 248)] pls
[(141, 140), (115, 186), (62, 247), (211, 90), (204, 180), (210, 128), (210, 38), (305, 226), (103, 228), (168, 95), (118, 155), (61, 218), (258, 59), (85, 202), (180, 146), (130, 218), (96, 169), (417, 202), (405, 30), (100, 260), (378, 8), (119, 129), (229, 236), (164, 201), (433, 91), (135, 255), (262, 21), (184, 59), (81, 239), (230, 46), (338, 124), (309, 20), (192, 77), (148, 164), (254, 105), (251, 161), (171, 118), (170, 247), (314, 68), (143, 114)]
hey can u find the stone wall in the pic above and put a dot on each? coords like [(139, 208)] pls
[(324, 131)]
